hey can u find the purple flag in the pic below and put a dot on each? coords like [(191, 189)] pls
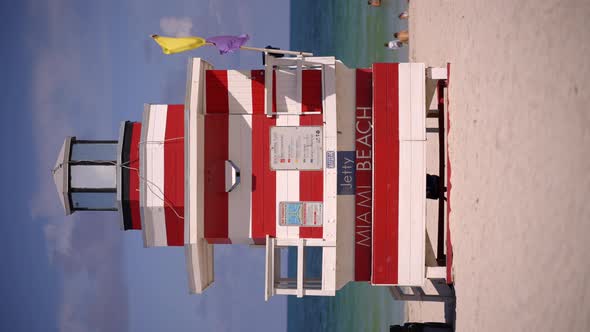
[(228, 44)]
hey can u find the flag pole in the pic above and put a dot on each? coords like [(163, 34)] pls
[(268, 50)]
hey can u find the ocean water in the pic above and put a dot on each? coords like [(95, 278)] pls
[(355, 33), (348, 29), (356, 307)]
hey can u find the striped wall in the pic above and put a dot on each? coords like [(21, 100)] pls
[(162, 175), (236, 122), (398, 174)]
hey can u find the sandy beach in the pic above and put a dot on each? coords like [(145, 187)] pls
[(519, 149)]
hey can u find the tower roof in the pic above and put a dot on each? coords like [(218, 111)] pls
[(61, 174)]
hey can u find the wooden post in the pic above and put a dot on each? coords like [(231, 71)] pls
[(270, 51)]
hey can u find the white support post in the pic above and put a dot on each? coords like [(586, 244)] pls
[(268, 83), (285, 242), (285, 291), (300, 267), (269, 285), (270, 50), (299, 79), (305, 62), (276, 264)]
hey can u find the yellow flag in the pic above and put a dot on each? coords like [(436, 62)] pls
[(171, 45)]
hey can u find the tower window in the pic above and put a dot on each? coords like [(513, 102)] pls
[(93, 151), (99, 201)]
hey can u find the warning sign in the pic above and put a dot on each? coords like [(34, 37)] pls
[(296, 148)]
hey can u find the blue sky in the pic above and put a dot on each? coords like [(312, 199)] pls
[(80, 68)]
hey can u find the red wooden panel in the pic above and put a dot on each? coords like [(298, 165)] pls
[(311, 91), (216, 153), (363, 173), (385, 174), (311, 183)]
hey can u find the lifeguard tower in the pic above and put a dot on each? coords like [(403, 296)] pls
[(303, 153)]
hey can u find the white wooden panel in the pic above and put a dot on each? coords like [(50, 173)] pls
[(282, 189), (268, 85), (195, 85), (240, 199), (159, 227), (287, 185), (152, 174), (148, 178), (412, 213), (269, 268), (300, 267), (293, 182), (418, 102), (308, 242), (155, 175), (239, 86), (404, 101), (194, 150), (191, 254), (307, 61), (142, 174), (404, 211), (283, 291), (198, 259), (193, 95), (319, 292), (418, 213)]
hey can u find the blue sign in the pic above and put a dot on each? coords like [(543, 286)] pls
[(346, 173), (330, 159), (293, 213)]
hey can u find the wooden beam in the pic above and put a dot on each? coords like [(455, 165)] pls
[(300, 267), (275, 51)]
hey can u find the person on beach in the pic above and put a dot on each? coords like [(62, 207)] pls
[(394, 44), (402, 36)]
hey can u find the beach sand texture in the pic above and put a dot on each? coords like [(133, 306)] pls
[(520, 155)]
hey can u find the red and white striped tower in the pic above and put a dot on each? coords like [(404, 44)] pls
[(305, 153)]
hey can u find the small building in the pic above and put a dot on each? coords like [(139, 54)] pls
[(303, 153)]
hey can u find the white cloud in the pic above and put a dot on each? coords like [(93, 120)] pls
[(59, 237), (94, 290), (176, 26)]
